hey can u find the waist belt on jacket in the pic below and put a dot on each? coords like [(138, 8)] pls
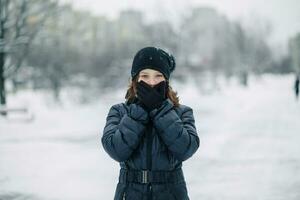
[(146, 176)]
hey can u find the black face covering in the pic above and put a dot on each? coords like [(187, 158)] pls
[(151, 97)]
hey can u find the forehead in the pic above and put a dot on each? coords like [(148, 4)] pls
[(149, 71)]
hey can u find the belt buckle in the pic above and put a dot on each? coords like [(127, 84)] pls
[(144, 176)]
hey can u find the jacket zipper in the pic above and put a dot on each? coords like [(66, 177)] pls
[(149, 153), (149, 147)]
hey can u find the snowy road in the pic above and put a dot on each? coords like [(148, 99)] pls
[(249, 147)]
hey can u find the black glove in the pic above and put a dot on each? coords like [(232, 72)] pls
[(150, 97), (137, 113)]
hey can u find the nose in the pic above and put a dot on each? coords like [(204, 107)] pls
[(152, 82)]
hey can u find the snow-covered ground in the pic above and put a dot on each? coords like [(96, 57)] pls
[(249, 145)]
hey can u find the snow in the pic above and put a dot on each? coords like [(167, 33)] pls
[(249, 145)]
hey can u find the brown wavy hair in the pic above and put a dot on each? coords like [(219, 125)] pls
[(131, 92)]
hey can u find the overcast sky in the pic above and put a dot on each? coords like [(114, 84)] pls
[(283, 14)]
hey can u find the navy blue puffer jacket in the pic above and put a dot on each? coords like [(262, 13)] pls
[(168, 132)]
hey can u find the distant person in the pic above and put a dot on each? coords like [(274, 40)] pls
[(151, 134), (297, 86)]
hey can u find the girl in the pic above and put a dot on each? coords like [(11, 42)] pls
[(151, 133)]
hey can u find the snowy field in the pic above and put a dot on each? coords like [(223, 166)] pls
[(249, 145)]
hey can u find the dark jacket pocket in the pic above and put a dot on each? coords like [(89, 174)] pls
[(127, 192), (132, 194)]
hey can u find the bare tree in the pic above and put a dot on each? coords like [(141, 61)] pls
[(20, 20)]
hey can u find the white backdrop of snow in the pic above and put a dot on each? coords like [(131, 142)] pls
[(249, 145)]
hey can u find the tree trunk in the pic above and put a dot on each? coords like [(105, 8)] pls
[(2, 86), (2, 83), (2, 61)]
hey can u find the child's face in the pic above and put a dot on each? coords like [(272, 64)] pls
[(151, 77)]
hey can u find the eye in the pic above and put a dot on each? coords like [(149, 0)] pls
[(159, 75), (144, 75)]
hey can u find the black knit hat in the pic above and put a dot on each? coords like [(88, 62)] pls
[(153, 58)]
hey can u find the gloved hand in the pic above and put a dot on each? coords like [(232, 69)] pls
[(150, 97), (138, 113)]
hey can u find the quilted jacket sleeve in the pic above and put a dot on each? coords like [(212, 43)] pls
[(122, 132), (178, 132)]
